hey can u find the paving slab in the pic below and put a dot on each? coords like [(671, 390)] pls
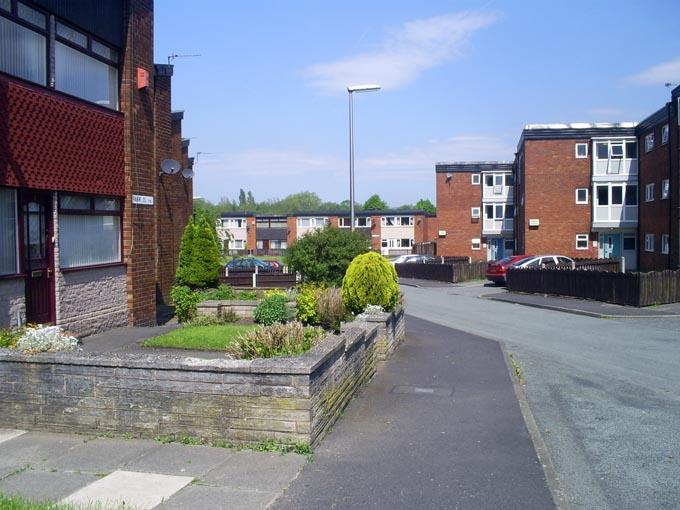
[(40, 485), (101, 455), (36, 448), (127, 488), (257, 471), (218, 498), (183, 460), (7, 434)]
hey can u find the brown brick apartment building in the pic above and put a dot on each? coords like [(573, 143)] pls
[(88, 228)]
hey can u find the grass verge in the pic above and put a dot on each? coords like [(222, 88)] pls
[(20, 503), (205, 338)]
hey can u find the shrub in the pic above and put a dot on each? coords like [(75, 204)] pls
[(330, 309), (247, 295), (306, 303), (275, 292), (10, 336), (272, 309), (214, 320), (45, 339), (370, 280), (322, 256), (223, 292), (185, 301), (275, 340), (199, 259)]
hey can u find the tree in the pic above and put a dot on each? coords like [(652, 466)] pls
[(242, 199), (323, 256), (426, 205), (199, 258), (375, 203)]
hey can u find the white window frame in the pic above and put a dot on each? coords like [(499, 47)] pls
[(576, 148), (649, 142), (665, 189), (475, 212), (475, 179), (664, 134), (649, 192), (237, 244), (308, 220), (476, 242), (665, 244), (342, 221), (581, 238), (17, 258), (649, 243), (587, 196)]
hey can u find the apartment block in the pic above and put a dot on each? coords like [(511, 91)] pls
[(475, 209), (89, 231)]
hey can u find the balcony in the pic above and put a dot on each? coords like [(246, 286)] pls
[(613, 216), (497, 193), (613, 168), (497, 226)]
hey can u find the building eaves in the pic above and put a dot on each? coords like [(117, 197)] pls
[(177, 115), (658, 117), (575, 131), (163, 69), (473, 166)]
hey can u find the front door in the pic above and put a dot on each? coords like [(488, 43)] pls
[(611, 246), (495, 248), (38, 257)]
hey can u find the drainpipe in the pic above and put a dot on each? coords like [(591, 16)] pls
[(638, 252), (670, 186)]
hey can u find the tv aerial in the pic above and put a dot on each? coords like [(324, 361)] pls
[(170, 167), (175, 55)]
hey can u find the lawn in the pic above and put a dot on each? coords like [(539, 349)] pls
[(204, 338)]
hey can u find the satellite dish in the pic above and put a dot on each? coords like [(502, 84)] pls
[(187, 173), (170, 166)]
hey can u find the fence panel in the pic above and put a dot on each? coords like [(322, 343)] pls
[(463, 272), (276, 280), (438, 272)]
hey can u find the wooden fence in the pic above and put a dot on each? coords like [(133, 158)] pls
[(598, 264), (633, 289), (453, 273), (264, 280)]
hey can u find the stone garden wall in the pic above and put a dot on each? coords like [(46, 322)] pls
[(290, 399)]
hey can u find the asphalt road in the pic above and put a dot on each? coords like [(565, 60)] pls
[(605, 393)]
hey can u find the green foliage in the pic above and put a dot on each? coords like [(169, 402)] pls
[(10, 336), (275, 292), (375, 203), (306, 303), (185, 301), (221, 293), (322, 256), (272, 309), (330, 310), (190, 336), (199, 257), (370, 280), (247, 295), (277, 339), (426, 205)]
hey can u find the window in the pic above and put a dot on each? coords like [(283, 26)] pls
[(71, 35), (488, 212), (602, 150), (384, 243), (509, 212), (474, 212), (602, 195), (649, 242), (498, 180), (237, 244), (89, 230), (29, 14), (629, 243), (83, 76), (665, 244), (387, 221), (476, 244), (488, 180), (6, 5), (9, 259), (616, 151), (362, 222), (582, 195), (617, 195), (344, 222), (509, 180), (475, 179), (304, 222), (581, 150), (278, 245), (509, 245), (664, 134), (631, 150), (649, 192), (23, 52), (631, 194), (665, 188), (649, 142), (233, 222), (581, 241)]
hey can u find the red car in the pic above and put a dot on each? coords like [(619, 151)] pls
[(496, 269)]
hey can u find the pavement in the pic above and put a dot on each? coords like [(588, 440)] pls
[(438, 427), (603, 392)]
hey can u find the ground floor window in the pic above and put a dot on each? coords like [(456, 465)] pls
[(476, 244), (278, 245), (237, 244), (665, 244), (649, 242), (89, 230), (581, 241), (509, 245), (9, 259)]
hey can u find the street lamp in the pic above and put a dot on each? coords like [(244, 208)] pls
[(351, 89)]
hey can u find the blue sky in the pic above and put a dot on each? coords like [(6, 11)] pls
[(267, 104)]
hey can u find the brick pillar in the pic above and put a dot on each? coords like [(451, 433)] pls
[(375, 233), (292, 229)]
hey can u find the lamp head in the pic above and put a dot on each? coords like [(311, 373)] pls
[(362, 88)]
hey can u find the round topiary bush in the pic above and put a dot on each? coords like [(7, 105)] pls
[(370, 280)]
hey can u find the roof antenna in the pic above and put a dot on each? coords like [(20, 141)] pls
[(668, 84), (175, 55)]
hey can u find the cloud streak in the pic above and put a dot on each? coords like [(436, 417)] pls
[(666, 72), (405, 54)]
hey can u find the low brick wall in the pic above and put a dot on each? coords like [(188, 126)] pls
[(12, 301), (290, 399), (242, 308)]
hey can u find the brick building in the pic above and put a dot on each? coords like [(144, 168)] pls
[(85, 121)]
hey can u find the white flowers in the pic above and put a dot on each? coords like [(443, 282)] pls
[(45, 339), (373, 310)]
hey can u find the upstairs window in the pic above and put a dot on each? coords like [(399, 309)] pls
[(649, 242), (631, 150), (509, 180), (475, 179), (23, 50), (581, 241), (582, 195), (664, 135), (616, 150), (649, 142), (665, 189), (631, 194), (649, 192), (665, 244), (581, 150), (474, 212)]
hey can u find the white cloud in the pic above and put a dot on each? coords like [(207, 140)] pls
[(266, 162), (416, 47), (666, 72)]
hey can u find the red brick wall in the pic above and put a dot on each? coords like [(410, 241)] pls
[(139, 225), (551, 175), (455, 197), (675, 186), (375, 233), (57, 142), (654, 216), (251, 233), (335, 221), (420, 228), (292, 229)]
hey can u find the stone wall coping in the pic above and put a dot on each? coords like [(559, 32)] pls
[(304, 364), (217, 302)]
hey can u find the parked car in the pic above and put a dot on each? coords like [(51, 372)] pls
[(274, 263), (423, 259), (402, 259), (249, 264), (544, 261), (497, 269)]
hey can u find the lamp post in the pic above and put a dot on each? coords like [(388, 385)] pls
[(351, 89)]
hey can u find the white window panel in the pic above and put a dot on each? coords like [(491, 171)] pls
[(664, 134), (476, 244), (649, 192), (9, 258), (475, 179), (665, 244), (665, 188), (474, 212), (581, 150), (649, 142), (649, 242), (582, 195), (581, 241)]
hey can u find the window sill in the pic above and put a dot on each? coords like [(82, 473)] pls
[(14, 276), (93, 266)]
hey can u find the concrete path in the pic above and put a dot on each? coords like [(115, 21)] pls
[(438, 427), (143, 474)]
